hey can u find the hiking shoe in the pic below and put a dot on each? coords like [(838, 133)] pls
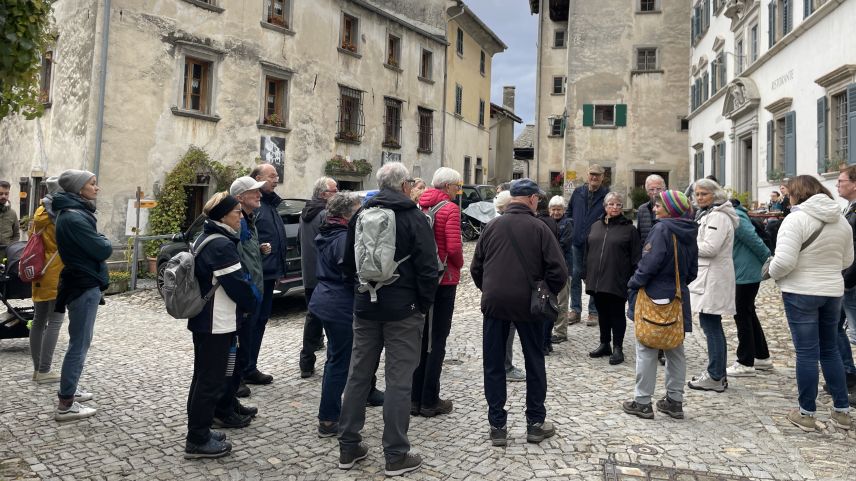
[(672, 408), (46, 377), (258, 377), (573, 318), (592, 319), (233, 421), (644, 411), (82, 396), (617, 356), (515, 374), (218, 435), (555, 339), (328, 429), (602, 350), (707, 383), (840, 419), (739, 370), (410, 462), (347, 459), (243, 390), (764, 364), (75, 411), (375, 398), (246, 410), (305, 374), (444, 406), (802, 421), (212, 449), (499, 436), (537, 432)]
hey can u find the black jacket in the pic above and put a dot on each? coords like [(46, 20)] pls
[(613, 251), (414, 290), (850, 272), (272, 230), (502, 275), (645, 219)]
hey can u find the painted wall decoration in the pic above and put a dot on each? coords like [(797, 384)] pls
[(272, 151)]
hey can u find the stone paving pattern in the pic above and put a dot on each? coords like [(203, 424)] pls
[(140, 364)]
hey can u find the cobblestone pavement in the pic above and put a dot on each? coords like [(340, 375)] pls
[(140, 363)]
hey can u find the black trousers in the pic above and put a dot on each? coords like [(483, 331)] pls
[(751, 343), (243, 355), (210, 370), (611, 318), (426, 378), (313, 335)]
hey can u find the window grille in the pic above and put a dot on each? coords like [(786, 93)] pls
[(839, 125), (351, 124), (426, 129), (392, 123)]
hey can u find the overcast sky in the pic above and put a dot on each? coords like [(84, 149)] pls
[(511, 21)]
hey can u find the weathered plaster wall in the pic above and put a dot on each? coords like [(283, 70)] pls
[(501, 156), (549, 150)]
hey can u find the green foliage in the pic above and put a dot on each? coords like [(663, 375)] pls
[(639, 196), (340, 165), (744, 197), (775, 174), (834, 163), (168, 217), (25, 33), (119, 276)]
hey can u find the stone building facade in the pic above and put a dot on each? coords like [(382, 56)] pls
[(501, 156), (295, 83)]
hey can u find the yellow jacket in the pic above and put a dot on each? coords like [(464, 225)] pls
[(44, 289)]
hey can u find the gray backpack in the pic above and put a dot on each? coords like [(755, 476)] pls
[(374, 250), (181, 293)]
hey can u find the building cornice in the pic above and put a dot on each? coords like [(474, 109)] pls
[(842, 74), (779, 106)]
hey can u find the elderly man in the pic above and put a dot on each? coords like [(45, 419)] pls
[(645, 217), (515, 250), (393, 322), (585, 208), (9, 228)]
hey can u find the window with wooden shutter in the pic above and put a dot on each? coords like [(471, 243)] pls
[(46, 74), (771, 23), (482, 63), (460, 42), (481, 112), (839, 127), (277, 12), (588, 115), (771, 173), (791, 144), (350, 32), (196, 85), (821, 135), (720, 160), (275, 101), (787, 16), (621, 115), (393, 47), (425, 67)]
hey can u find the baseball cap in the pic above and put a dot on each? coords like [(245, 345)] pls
[(596, 169), (243, 184), (524, 187)]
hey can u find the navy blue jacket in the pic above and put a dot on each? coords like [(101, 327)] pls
[(333, 297), (566, 233), (656, 269), (272, 230), (585, 214)]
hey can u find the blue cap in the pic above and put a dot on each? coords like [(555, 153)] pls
[(524, 187)]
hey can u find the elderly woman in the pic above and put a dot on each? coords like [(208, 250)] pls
[(613, 250), (815, 244), (214, 328), (333, 303), (437, 202), (712, 293), (557, 208), (672, 232)]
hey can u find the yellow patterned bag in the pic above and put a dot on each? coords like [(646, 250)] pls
[(660, 326)]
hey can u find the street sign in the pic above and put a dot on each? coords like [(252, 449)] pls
[(146, 204)]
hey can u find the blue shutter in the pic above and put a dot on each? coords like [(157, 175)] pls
[(821, 133), (720, 149), (692, 97), (787, 16), (806, 8), (769, 148), (706, 81), (701, 162), (771, 23), (706, 14), (790, 144), (851, 123)]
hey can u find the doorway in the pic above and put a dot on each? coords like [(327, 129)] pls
[(744, 170), (639, 176)]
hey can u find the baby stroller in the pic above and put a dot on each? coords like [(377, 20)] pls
[(14, 320)]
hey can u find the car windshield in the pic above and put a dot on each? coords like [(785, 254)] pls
[(488, 192), (290, 206)]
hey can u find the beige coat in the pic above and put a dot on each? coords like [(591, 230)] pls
[(712, 292)]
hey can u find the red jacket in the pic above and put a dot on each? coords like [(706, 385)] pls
[(447, 234)]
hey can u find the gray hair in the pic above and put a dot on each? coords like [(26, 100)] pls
[(445, 176), (501, 201), (391, 176), (320, 186), (343, 204), (612, 195), (719, 194), (557, 201), (654, 178)]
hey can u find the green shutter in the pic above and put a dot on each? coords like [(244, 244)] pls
[(769, 148), (851, 124), (621, 115), (771, 23), (821, 134), (790, 144), (588, 115), (720, 150)]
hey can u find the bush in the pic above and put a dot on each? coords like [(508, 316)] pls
[(639, 196)]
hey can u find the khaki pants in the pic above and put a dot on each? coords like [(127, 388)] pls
[(561, 327)]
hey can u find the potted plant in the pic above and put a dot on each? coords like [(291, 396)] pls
[(118, 282), (275, 120), (392, 61), (834, 163), (349, 46), (775, 175), (342, 166), (276, 20)]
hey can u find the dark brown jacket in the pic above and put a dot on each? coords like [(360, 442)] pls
[(502, 276)]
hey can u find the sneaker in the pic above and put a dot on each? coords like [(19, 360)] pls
[(672, 408), (212, 449), (246, 410), (347, 459), (375, 398), (499, 436), (839, 419), (707, 383), (556, 339), (233, 421), (258, 377), (592, 320), (573, 318), (243, 390), (739, 370), (764, 364), (82, 396), (46, 377), (537, 432), (515, 374), (328, 429), (617, 356), (644, 411), (444, 406), (802, 421), (75, 411), (410, 462)]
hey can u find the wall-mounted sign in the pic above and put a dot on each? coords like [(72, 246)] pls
[(272, 151)]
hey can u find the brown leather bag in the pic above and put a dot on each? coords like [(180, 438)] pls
[(660, 326)]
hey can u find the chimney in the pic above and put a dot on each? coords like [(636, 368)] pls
[(508, 97)]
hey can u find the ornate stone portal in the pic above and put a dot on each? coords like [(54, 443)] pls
[(742, 96)]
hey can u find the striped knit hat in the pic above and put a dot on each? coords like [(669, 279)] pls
[(675, 202)]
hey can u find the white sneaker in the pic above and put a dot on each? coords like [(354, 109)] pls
[(764, 364), (739, 370), (75, 411), (46, 377), (82, 396), (706, 383)]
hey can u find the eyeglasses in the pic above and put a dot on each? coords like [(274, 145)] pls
[(839, 181), (615, 204), (410, 182), (655, 190)]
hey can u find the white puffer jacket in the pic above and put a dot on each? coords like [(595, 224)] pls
[(815, 271), (712, 292)]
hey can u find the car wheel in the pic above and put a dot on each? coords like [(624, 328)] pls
[(469, 232), (159, 278)]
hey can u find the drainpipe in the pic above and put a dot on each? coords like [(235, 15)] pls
[(446, 83), (102, 87)]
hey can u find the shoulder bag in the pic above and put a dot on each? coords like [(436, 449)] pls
[(660, 326), (542, 303)]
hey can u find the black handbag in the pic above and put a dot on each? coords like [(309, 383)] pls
[(543, 304)]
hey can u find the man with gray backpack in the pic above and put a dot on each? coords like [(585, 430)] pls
[(392, 254)]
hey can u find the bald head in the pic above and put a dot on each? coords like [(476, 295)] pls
[(267, 174)]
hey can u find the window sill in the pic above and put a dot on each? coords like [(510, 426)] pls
[(426, 80), (276, 28), (557, 93), (482, 74), (649, 12), (206, 6), (391, 145), (555, 136), (560, 48), (194, 115), (349, 52), (423, 151), (348, 141), (458, 116), (274, 128), (394, 68), (605, 127), (643, 72)]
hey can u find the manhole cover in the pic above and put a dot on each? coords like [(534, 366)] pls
[(644, 449), (613, 471)]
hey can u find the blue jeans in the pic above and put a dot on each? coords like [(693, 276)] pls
[(813, 321), (844, 347), (81, 325), (717, 349), (848, 305), (340, 336), (579, 254)]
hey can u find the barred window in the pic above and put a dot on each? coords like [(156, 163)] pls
[(351, 125), (459, 99), (648, 5), (839, 126), (426, 130), (392, 123)]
